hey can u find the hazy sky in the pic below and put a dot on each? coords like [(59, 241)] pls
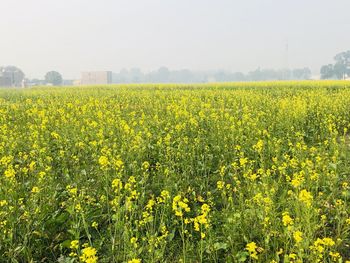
[(240, 35)]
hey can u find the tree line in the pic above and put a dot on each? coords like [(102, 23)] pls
[(164, 75)]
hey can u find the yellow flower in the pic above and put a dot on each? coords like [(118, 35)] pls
[(133, 241), (252, 249), (318, 246), (103, 161), (258, 146), (118, 164), (35, 190), (117, 184), (339, 202), (94, 224), (187, 221), (89, 255), (297, 180), (74, 244), (327, 241), (220, 185), (180, 206), (205, 208), (73, 191), (335, 255), (77, 207), (135, 260), (55, 135), (243, 161), (10, 172), (298, 236), (150, 204), (145, 166), (42, 175), (184, 206), (3, 203), (305, 197), (286, 219), (32, 165), (165, 194)]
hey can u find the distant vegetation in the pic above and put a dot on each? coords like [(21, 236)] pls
[(340, 69), (164, 75), (54, 78)]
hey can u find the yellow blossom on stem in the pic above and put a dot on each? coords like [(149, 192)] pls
[(298, 236)]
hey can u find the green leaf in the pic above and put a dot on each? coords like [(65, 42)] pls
[(220, 245)]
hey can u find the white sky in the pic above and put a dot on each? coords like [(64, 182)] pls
[(71, 36)]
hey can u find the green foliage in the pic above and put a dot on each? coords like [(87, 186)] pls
[(54, 78), (341, 68)]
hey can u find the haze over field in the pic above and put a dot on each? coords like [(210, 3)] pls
[(73, 36)]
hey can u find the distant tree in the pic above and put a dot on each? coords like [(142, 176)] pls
[(339, 70), (136, 75), (342, 64), (184, 76), (123, 76), (162, 75), (238, 76), (181, 76), (54, 78), (255, 75), (343, 59), (302, 73), (306, 73), (327, 71), (285, 74), (221, 76)]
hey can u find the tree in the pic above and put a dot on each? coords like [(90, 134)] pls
[(342, 64), (339, 70), (327, 71), (136, 75), (163, 75), (343, 58), (255, 75), (302, 73), (54, 78)]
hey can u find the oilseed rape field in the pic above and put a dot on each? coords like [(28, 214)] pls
[(234, 172)]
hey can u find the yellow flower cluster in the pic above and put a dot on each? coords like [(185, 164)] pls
[(253, 250), (180, 206)]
